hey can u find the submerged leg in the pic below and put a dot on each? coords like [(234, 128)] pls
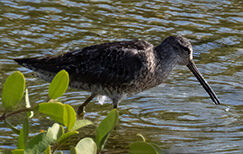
[(81, 107), (115, 105), (116, 101)]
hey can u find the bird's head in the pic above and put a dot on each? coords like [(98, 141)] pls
[(182, 48)]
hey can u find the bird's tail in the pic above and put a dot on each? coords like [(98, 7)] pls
[(31, 63), (39, 66)]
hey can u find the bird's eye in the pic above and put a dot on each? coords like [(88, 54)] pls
[(186, 49)]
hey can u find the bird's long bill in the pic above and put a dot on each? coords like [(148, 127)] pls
[(203, 82)]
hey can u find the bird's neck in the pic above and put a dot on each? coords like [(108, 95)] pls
[(167, 60)]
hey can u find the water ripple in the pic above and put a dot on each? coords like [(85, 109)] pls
[(178, 116)]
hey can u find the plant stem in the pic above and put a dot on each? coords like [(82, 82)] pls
[(5, 115)]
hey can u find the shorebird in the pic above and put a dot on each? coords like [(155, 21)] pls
[(119, 69)]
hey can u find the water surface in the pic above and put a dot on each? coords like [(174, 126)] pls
[(178, 115)]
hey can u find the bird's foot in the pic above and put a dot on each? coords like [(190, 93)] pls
[(81, 111)]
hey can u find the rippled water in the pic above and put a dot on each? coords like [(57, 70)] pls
[(178, 116)]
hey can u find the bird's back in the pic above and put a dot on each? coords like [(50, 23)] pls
[(115, 66)]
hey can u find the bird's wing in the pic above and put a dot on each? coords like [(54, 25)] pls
[(111, 63), (108, 63)]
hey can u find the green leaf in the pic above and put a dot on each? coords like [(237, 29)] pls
[(24, 133), (59, 85), (48, 150), (40, 142), (27, 101), (159, 151), (13, 90), (21, 139), (69, 116), (59, 112), (65, 136), (26, 128), (18, 151), (81, 123), (105, 127), (55, 132), (85, 146), (143, 138), (142, 148), (73, 151), (27, 104), (55, 110)]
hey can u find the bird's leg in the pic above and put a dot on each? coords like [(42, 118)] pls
[(115, 105), (81, 107), (115, 101)]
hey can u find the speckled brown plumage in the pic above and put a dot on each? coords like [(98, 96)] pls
[(116, 69)]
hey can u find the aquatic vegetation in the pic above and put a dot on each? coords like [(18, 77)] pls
[(67, 124)]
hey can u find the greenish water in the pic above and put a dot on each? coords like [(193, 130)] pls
[(178, 116)]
